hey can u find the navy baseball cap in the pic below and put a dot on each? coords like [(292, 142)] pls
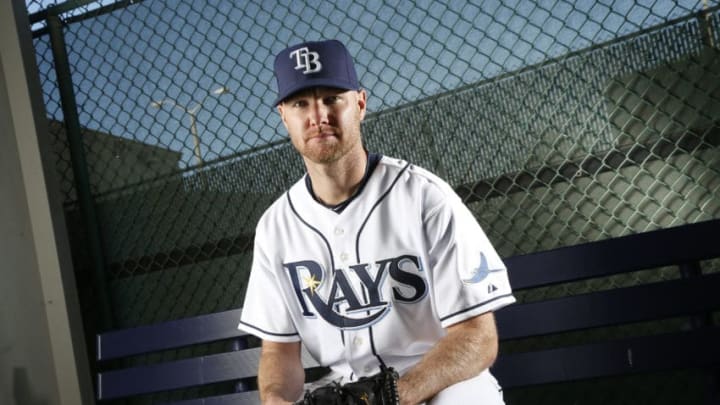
[(313, 64)]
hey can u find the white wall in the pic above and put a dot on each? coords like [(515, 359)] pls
[(42, 350)]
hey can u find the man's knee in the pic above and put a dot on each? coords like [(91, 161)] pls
[(483, 389)]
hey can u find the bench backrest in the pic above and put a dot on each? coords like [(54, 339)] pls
[(692, 293), (238, 363)]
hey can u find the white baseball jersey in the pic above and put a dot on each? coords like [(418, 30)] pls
[(378, 281)]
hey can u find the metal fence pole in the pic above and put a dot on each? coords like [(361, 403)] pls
[(80, 169)]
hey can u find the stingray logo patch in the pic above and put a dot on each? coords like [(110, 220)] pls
[(481, 272)]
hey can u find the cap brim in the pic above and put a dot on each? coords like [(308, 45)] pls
[(310, 83)]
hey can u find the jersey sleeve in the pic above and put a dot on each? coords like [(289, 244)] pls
[(468, 276), (264, 313)]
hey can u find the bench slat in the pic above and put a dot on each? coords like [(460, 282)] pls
[(687, 243), (611, 307), (168, 335), (679, 351), (177, 374), (244, 398), (184, 373)]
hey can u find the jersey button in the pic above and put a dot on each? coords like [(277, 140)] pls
[(339, 231), (344, 256), (358, 341)]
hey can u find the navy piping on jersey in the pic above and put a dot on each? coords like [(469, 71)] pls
[(474, 306), (377, 203), (370, 332), (268, 332), (357, 250), (372, 346), (332, 260), (373, 159), (292, 207)]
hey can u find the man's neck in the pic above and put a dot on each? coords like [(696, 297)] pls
[(335, 182)]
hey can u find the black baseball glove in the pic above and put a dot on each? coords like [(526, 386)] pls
[(378, 389)]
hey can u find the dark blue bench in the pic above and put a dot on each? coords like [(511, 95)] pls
[(237, 363), (694, 294)]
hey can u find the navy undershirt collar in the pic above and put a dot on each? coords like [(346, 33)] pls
[(372, 161)]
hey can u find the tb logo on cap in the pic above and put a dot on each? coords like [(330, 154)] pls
[(304, 59)]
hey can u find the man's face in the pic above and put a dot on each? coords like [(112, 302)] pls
[(323, 122)]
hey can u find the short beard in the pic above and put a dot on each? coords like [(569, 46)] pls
[(326, 154), (330, 153)]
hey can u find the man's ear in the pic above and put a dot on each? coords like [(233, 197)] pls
[(362, 103), (281, 112)]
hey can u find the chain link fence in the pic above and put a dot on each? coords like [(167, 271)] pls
[(558, 122)]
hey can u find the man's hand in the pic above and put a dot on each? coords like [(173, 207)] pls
[(377, 389)]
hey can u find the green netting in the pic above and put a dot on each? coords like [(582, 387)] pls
[(558, 122)]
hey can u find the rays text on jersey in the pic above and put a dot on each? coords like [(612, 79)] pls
[(341, 304)]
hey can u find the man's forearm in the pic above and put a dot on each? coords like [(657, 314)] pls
[(280, 373), (469, 348)]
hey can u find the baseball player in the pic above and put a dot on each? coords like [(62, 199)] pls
[(368, 261)]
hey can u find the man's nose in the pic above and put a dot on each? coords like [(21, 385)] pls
[(320, 112)]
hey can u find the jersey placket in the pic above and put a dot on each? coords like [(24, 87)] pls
[(357, 345)]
